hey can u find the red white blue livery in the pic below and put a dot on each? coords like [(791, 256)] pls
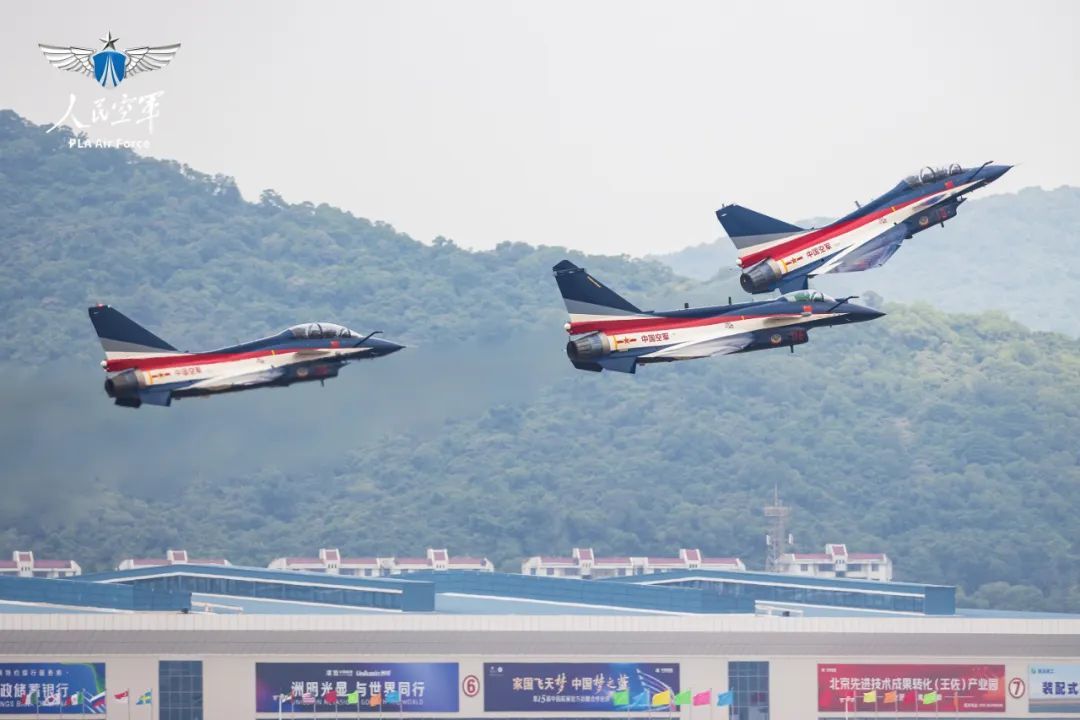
[(775, 255), (607, 332), (143, 368)]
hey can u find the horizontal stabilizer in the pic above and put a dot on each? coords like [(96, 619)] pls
[(791, 283), (748, 228), (623, 363)]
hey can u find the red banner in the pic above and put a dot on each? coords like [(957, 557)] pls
[(912, 688)]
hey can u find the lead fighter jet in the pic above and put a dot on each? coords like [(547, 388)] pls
[(775, 255), (143, 368), (607, 332)]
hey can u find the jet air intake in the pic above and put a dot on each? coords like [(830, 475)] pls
[(589, 346), (931, 216), (761, 277)]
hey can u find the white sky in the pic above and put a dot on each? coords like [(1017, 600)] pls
[(613, 127)]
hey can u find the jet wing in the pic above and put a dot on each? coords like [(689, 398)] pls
[(706, 348), (241, 379), (869, 255)]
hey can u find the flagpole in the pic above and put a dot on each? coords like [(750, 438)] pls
[(129, 703), (712, 704)]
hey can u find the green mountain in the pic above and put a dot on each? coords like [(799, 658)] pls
[(1015, 253), (947, 441)]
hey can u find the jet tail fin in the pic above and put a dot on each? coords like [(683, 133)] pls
[(750, 231), (122, 337), (587, 297)]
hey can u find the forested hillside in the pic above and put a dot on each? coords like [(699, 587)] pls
[(1012, 253), (948, 441)]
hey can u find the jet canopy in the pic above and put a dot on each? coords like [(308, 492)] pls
[(806, 296), (931, 174), (316, 331)]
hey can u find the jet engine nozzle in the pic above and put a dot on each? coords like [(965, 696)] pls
[(761, 277), (589, 346), (124, 388)]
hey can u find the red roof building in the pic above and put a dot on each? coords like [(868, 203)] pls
[(583, 563), (837, 562), (24, 564), (330, 561)]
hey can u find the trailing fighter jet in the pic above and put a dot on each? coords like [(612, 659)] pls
[(143, 368), (775, 255), (607, 332)]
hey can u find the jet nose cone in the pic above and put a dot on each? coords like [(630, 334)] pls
[(993, 172), (384, 347), (860, 313)]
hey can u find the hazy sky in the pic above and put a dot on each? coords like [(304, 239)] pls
[(613, 127)]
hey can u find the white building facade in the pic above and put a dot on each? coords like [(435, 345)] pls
[(583, 563), (331, 561), (837, 562), (24, 564)]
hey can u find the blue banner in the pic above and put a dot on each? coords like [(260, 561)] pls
[(51, 688), (1053, 688), (319, 687), (557, 687)]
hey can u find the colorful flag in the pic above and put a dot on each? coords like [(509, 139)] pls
[(74, 698), (31, 699), (725, 698), (145, 699), (121, 697), (392, 697), (98, 701), (307, 699), (353, 698), (54, 699), (375, 700), (870, 697), (890, 696), (283, 698), (682, 698), (330, 697), (702, 698), (620, 698), (930, 698), (661, 698)]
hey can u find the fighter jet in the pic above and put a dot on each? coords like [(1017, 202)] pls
[(607, 332), (775, 255), (143, 368)]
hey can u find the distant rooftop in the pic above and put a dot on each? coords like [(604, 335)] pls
[(172, 557)]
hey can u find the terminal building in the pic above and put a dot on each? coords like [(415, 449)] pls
[(210, 642), (583, 563), (331, 562)]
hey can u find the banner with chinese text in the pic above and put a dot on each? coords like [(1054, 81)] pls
[(421, 687), (958, 688), (554, 687), (1054, 688), (47, 686)]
